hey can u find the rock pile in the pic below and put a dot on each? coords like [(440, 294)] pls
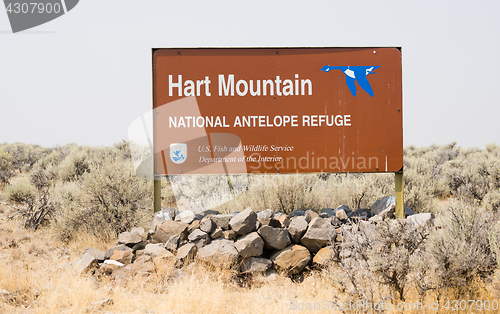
[(252, 242)]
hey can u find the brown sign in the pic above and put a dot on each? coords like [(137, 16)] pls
[(277, 110)]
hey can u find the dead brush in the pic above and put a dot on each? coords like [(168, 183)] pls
[(376, 260), (461, 249)]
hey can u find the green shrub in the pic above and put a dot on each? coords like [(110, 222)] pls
[(461, 249), (302, 191), (378, 261), (107, 200), (6, 167), (123, 149), (419, 187), (491, 200), (21, 192), (24, 156), (74, 165), (473, 177)]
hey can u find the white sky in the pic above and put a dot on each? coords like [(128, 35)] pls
[(84, 77)]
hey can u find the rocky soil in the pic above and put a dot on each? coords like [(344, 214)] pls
[(252, 243)]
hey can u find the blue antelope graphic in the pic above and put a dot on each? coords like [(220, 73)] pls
[(353, 74)]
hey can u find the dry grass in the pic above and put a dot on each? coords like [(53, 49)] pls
[(35, 265), (35, 268)]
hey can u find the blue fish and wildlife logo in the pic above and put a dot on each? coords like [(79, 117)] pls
[(24, 14), (353, 74), (178, 152)]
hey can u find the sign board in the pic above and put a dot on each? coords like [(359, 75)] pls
[(283, 110)]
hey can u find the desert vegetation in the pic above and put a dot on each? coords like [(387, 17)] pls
[(56, 202)]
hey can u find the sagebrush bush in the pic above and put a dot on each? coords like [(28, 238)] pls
[(396, 257), (491, 200), (24, 156), (42, 177), (21, 192), (444, 171), (107, 200), (123, 149), (6, 167), (300, 191), (378, 261), (419, 188), (74, 165), (461, 248)]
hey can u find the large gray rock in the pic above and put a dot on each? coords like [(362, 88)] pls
[(201, 242), (310, 215), (297, 228), (155, 249), (408, 212), (277, 214), (265, 214), (297, 212), (207, 225), (292, 259), (139, 230), (163, 215), (250, 245), (85, 263), (244, 222), (344, 207), (110, 265), (164, 260), (274, 238), (229, 234), (193, 226), (222, 220), (139, 246), (124, 257), (270, 222), (325, 256), (97, 254), (383, 203), (168, 229), (216, 233), (255, 265), (186, 254), (197, 235), (283, 220), (319, 233), (423, 220), (199, 238), (172, 243), (111, 251), (186, 216), (341, 214), (220, 253), (388, 213), (330, 212), (360, 214), (129, 238)]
